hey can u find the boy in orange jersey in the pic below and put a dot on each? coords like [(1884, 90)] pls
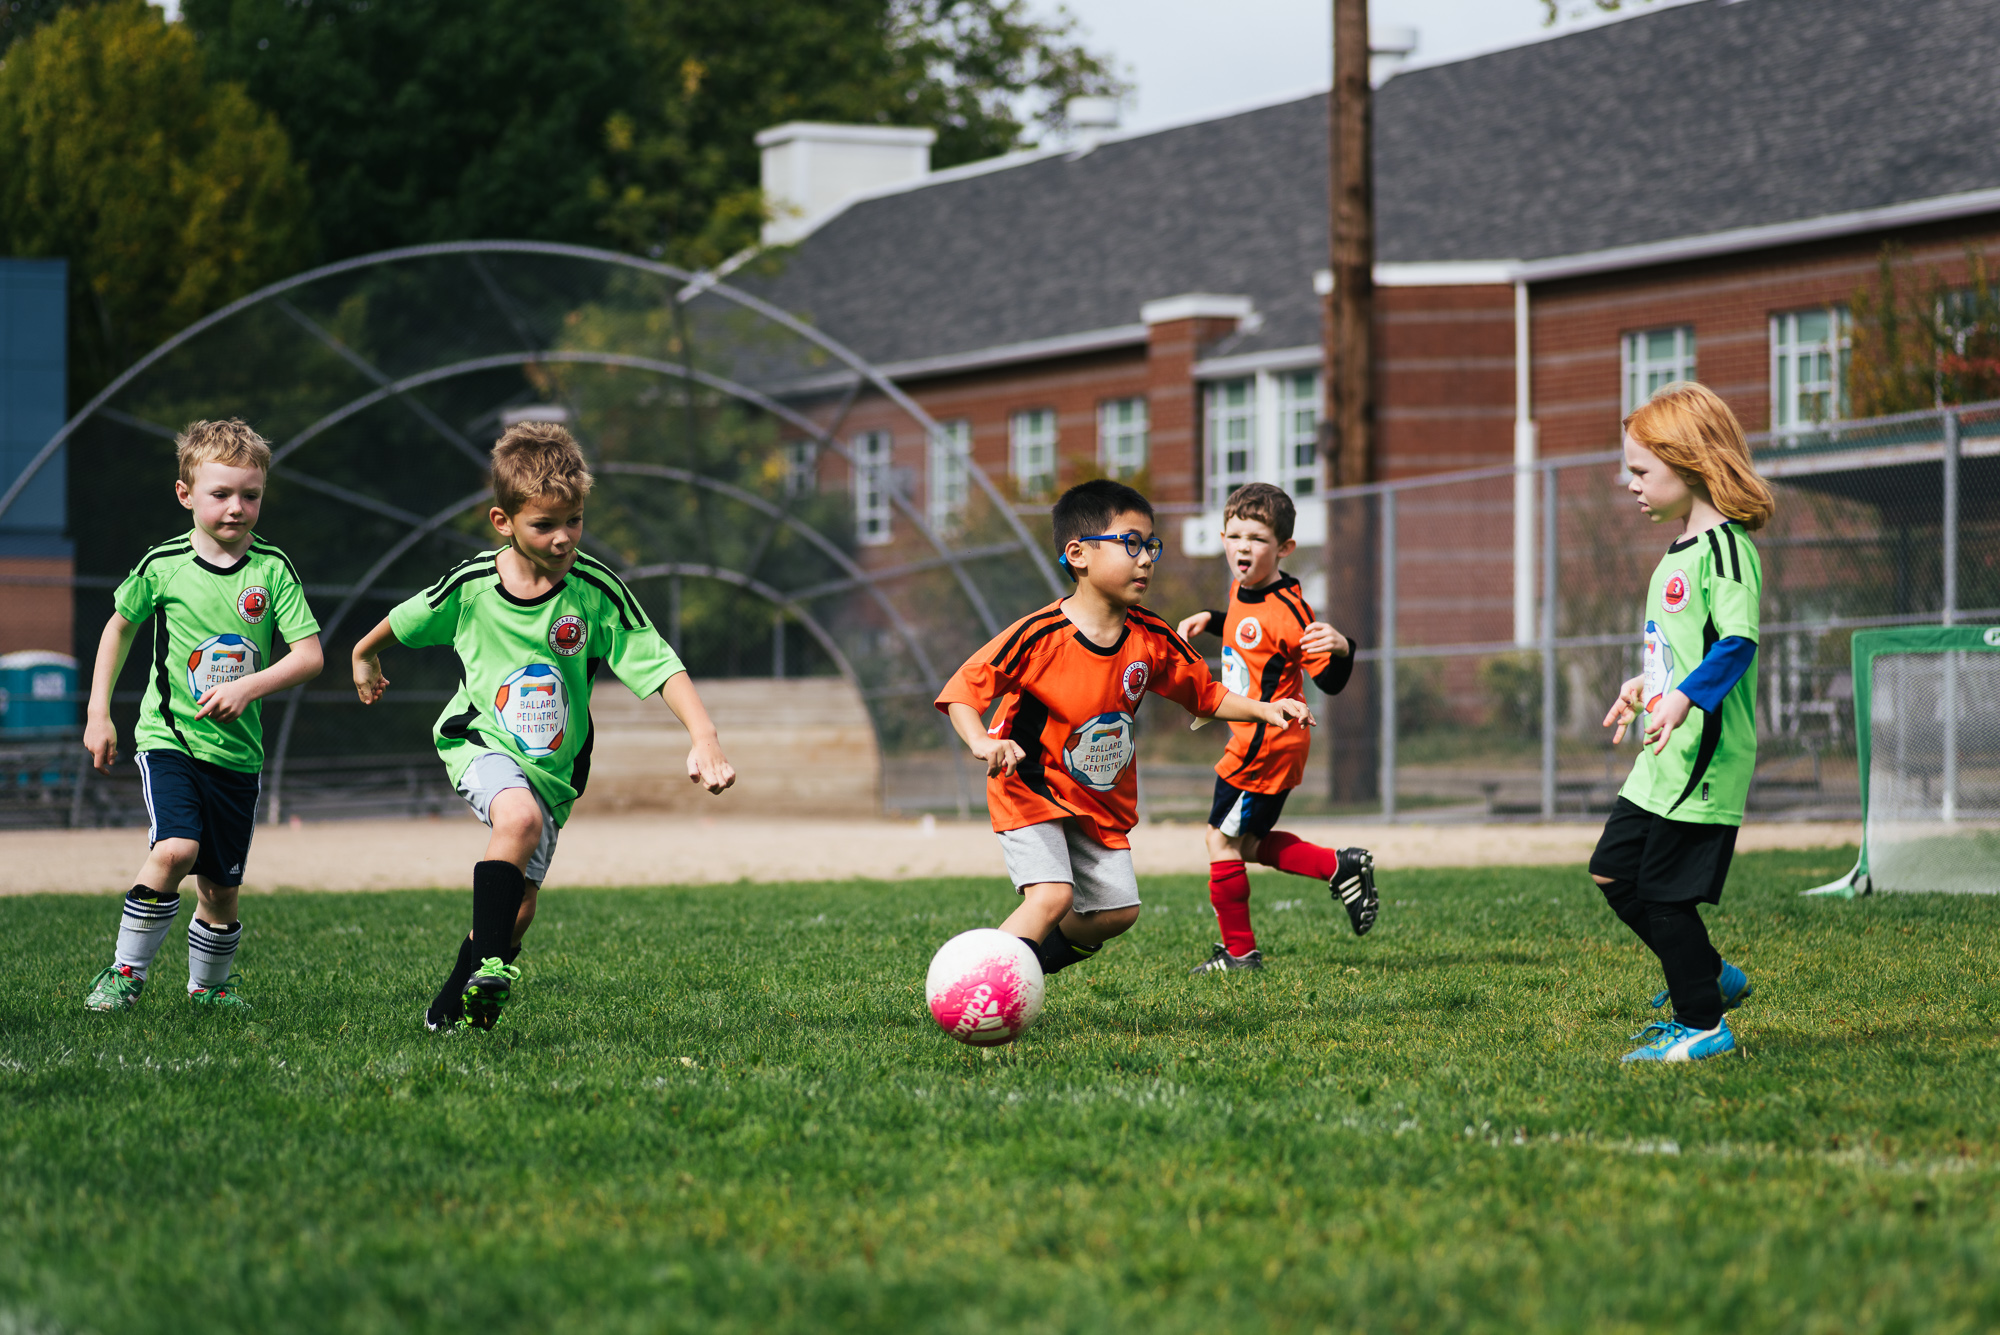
[(1270, 644), (1068, 681)]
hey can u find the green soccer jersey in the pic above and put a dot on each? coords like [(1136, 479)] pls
[(1705, 589), (211, 625), (528, 665)]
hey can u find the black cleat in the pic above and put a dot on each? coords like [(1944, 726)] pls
[(486, 995), (1354, 886), (1222, 961)]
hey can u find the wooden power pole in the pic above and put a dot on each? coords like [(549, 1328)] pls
[(1352, 530)]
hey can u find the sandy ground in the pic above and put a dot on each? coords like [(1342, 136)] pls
[(653, 850)]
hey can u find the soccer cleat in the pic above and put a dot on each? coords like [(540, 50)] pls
[(442, 1022), (225, 996), (1672, 1041), (1353, 884), (487, 992), (117, 988), (1222, 961), (1735, 985)]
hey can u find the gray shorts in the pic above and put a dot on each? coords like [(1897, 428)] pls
[(1059, 850), (491, 774)]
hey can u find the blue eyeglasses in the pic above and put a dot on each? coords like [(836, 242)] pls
[(1133, 543)]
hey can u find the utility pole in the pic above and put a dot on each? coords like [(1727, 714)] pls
[(1349, 423)]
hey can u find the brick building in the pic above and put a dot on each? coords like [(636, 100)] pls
[(1697, 190)]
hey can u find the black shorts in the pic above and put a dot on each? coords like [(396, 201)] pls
[(1669, 861), (193, 799), (1237, 813)]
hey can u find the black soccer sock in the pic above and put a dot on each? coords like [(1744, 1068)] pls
[(450, 1000), (510, 954), (1691, 963), (1058, 952), (1623, 897), (497, 891)]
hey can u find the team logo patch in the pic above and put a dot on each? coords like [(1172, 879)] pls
[(253, 603), (1249, 632), (219, 660), (532, 707), (1099, 751), (1675, 597), (566, 636), (1134, 683)]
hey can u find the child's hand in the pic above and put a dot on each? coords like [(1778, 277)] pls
[(100, 738), (226, 703), (1000, 754), (1192, 626), (1320, 638), (1660, 724), (708, 767), (1625, 708), (1283, 713), (369, 683)]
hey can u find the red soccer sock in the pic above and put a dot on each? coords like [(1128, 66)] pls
[(1229, 891), (1289, 853)]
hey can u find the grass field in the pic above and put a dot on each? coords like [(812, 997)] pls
[(725, 1109)]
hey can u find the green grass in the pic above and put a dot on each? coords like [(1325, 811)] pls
[(725, 1109)]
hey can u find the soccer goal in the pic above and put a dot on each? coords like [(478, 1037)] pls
[(1927, 739)]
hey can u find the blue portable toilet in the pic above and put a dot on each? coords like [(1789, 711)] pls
[(37, 693)]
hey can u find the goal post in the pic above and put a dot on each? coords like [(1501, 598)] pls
[(1927, 746)]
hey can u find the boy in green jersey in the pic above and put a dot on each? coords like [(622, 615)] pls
[(531, 623), (1667, 846), (215, 597)]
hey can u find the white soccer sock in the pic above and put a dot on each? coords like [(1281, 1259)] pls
[(148, 915), (211, 950)]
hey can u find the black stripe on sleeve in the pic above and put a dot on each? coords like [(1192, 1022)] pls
[(160, 553), (1012, 667), (262, 548), (444, 582), (1735, 559), (1296, 606), (1021, 628), (1152, 622), (454, 580), (591, 578), (628, 605)]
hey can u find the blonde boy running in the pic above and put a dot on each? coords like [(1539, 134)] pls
[(531, 623), (215, 597), (1270, 644)]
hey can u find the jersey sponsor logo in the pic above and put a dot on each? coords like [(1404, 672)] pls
[(1099, 751), (1659, 668), (1134, 681), (1235, 671), (253, 603), (1249, 632), (219, 660), (532, 707), (567, 635), (1675, 596)]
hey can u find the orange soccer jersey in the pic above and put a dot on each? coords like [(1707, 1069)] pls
[(1071, 706), (1261, 658)]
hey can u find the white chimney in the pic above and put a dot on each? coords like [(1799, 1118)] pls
[(811, 169), (1388, 48)]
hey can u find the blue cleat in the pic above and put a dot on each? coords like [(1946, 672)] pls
[(1672, 1041), (1735, 985)]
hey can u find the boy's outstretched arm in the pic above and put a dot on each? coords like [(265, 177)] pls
[(707, 765), (369, 683), (999, 754), (1278, 713), (100, 735), (301, 663)]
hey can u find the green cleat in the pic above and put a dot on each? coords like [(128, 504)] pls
[(115, 989), (487, 991), (224, 996)]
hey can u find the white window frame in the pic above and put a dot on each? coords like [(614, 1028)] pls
[(1230, 438), (873, 515), (1123, 437), (801, 467), (1031, 452), (1820, 365), (1298, 403), (1642, 371), (947, 477)]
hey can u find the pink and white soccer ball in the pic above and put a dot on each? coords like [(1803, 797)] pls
[(984, 987)]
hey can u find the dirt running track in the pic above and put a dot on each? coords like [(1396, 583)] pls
[(654, 850)]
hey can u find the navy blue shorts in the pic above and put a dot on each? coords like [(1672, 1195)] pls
[(1237, 813), (193, 799)]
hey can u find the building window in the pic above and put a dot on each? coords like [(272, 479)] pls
[(871, 488), (1298, 432), (950, 449), (1121, 437), (1809, 351), (801, 467), (1652, 358), (1232, 438), (1031, 439)]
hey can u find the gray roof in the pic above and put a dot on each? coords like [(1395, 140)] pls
[(1677, 122)]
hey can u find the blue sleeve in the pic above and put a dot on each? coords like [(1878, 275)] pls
[(1719, 671)]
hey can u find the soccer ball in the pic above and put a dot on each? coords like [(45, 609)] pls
[(984, 987)]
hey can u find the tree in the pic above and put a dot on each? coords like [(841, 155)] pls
[(169, 192), (1920, 341), (18, 18)]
